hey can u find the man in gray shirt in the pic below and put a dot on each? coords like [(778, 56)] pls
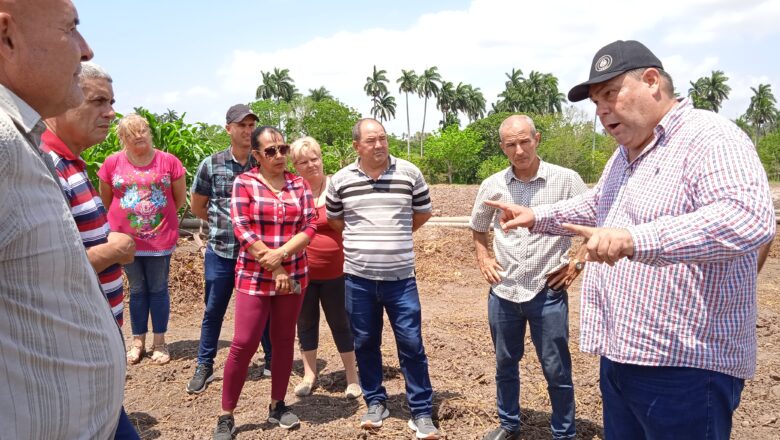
[(63, 368), (528, 277)]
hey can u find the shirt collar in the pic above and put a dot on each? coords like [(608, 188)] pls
[(57, 145), (542, 173), (24, 116), (355, 166)]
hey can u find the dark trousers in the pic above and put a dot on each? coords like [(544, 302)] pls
[(365, 300), (547, 315), (220, 274), (329, 293), (652, 403)]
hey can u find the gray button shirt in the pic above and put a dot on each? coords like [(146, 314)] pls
[(62, 360)]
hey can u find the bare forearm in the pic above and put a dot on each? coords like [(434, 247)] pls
[(101, 257), (337, 224), (419, 219), (199, 206), (480, 244), (763, 253)]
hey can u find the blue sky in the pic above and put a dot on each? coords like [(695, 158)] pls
[(200, 57)]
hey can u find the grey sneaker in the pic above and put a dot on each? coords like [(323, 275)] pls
[(226, 426), (282, 416), (203, 375), (377, 411), (424, 428)]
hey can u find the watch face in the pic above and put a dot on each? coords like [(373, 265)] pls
[(579, 265)]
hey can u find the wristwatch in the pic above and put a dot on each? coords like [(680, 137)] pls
[(285, 254), (579, 265)]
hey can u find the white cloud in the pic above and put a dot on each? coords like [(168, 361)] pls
[(478, 44)]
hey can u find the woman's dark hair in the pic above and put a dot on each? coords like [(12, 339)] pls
[(257, 132)]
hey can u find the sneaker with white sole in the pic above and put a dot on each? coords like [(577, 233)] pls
[(424, 428), (377, 412), (203, 375), (283, 416)]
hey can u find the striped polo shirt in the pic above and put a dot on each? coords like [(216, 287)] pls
[(377, 218), (88, 212)]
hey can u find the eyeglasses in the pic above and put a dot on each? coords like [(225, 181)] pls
[(270, 152)]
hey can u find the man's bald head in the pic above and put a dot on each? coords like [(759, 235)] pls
[(41, 52)]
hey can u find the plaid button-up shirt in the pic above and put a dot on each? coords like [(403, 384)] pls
[(259, 214), (526, 258), (697, 204), (214, 179)]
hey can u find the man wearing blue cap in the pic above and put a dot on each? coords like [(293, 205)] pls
[(677, 220)]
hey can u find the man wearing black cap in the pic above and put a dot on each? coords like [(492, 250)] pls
[(211, 191), (678, 217)]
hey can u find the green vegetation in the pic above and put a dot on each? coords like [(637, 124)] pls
[(450, 153)]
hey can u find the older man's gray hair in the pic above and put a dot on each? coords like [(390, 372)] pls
[(90, 70)]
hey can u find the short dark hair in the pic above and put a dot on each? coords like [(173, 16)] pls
[(668, 85), (359, 124), (257, 132)]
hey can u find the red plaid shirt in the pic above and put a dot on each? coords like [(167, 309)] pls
[(697, 204), (260, 214)]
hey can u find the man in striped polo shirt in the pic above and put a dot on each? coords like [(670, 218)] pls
[(66, 137), (378, 202)]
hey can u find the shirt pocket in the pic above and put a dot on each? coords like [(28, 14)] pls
[(223, 186)]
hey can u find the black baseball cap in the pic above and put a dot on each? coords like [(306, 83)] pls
[(612, 60), (238, 112)]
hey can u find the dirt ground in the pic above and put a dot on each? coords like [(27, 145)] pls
[(460, 355)]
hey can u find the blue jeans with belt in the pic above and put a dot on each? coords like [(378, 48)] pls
[(547, 315), (365, 301), (645, 402)]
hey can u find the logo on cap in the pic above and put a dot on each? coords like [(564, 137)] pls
[(603, 63)]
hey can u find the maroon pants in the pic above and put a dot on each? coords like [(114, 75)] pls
[(252, 313)]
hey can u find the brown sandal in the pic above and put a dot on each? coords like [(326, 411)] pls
[(160, 354), (135, 354)]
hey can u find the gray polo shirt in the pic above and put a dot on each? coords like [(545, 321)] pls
[(525, 257), (377, 218), (62, 360)]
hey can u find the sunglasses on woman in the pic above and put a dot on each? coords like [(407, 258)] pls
[(270, 152)]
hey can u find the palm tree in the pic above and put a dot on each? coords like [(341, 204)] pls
[(285, 87), (476, 104), (267, 88), (709, 92), (427, 86), (446, 100), (384, 107), (407, 82), (376, 85), (698, 94), (762, 111), (277, 85), (717, 89), (319, 94), (514, 78), (555, 98)]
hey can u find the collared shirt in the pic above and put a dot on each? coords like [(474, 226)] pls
[(87, 211), (259, 214), (526, 258), (62, 360), (377, 218), (214, 179), (697, 204)]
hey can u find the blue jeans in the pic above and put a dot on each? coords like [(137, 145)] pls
[(642, 402), (125, 429), (547, 315), (220, 274), (365, 300), (148, 279)]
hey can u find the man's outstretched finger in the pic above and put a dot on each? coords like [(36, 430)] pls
[(585, 231)]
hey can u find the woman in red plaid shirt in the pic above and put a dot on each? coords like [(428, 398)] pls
[(273, 218)]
